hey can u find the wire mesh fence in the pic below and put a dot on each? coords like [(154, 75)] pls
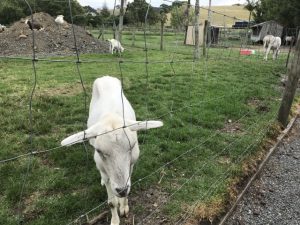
[(217, 111)]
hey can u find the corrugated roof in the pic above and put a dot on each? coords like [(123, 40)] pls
[(261, 24)]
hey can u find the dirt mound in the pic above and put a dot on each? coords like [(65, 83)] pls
[(50, 41)]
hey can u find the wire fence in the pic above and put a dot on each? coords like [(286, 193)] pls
[(220, 107)]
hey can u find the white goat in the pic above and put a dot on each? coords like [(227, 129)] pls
[(111, 131), (59, 20), (115, 45), (289, 40), (271, 42), (2, 28)]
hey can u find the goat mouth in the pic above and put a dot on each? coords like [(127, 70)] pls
[(122, 192), (122, 196)]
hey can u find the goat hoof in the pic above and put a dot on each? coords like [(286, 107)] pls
[(114, 223), (124, 211)]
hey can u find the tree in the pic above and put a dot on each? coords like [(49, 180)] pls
[(187, 13), (10, 11), (250, 6), (13, 10), (105, 12), (164, 9), (136, 12), (179, 16), (121, 19), (286, 12)]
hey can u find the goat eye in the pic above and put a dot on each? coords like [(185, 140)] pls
[(103, 156)]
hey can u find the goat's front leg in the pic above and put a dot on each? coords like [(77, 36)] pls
[(276, 53), (113, 204), (267, 52), (124, 208)]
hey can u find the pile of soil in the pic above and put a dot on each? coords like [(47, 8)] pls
[(50, 41)]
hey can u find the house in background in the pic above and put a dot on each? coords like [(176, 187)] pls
[(259, 31)]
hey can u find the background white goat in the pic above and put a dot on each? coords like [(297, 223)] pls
[(289, 40), (2, 28), (111, 131), (59, 20), (271, 42), (115, 45)]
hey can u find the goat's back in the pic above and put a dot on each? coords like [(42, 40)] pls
[(108, 98)]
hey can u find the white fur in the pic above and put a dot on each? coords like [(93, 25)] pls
[(274, 43), (59, 20), (115, 45), (114, 139), (2, 28), (289, 40)]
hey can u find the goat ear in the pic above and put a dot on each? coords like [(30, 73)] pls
[(144, 125), (81, 136), (73, 139)]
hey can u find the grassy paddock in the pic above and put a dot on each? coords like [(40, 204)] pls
[(216, 113)]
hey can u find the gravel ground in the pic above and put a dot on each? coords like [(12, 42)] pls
[(274, 198)]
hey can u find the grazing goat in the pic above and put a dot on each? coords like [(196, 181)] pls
[(271, 42), (2, 28), (59, 20), (34, 25), (289, 40), (115, 45), (112, 132)]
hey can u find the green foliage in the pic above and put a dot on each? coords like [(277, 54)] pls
[(286, 12), (13, 10), (10, 11), (179, 16), (136, 11), (164, 10), (105, 13)]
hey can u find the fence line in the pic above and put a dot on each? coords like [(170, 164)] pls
[(29, 164), (239, 160), (172, 111), (139, 180), (191, 177), (213, 11), (120, 61)]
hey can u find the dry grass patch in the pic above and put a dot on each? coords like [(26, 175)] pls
[(66, 90), (209, 211)]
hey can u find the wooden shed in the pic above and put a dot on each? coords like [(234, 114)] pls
[(190, 40), (259, 31)]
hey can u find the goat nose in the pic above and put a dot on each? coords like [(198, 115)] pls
[(122, 191)]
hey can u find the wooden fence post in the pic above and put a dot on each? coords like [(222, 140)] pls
[(205, 37), (162, 23), (121, 18), (187, 22), (133, 37), (197, 44), (291, 86)]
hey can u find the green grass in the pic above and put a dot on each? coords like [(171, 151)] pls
[(64, 183)]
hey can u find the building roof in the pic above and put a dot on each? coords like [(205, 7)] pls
[(261, 24)]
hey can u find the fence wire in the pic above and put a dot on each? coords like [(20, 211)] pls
[(173, 109)]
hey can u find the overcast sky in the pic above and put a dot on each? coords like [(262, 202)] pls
[(110, 3)]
